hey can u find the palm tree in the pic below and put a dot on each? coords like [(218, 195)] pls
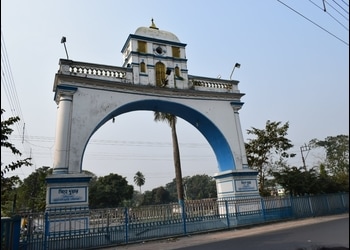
[(139, 179), (171, 119)]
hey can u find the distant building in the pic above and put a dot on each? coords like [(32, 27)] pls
[(280, 191)]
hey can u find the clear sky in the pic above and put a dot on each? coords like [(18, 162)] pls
[(294, 60)]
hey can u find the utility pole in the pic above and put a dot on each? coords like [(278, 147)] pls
[(303, 149)]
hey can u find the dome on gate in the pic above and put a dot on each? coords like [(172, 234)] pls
[(154, 32)]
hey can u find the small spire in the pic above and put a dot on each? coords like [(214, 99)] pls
[(153, 26)]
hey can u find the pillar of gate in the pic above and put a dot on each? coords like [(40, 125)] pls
[(67, 195), (240, 182)]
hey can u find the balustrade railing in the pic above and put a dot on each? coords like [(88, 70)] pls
[(125, 75)]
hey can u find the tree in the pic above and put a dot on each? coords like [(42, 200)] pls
[(137, 199), (196, 187), (8, 184), (200, 187), (9, 194), (6, 131), (337, 153), (297, 181), (262, 151), (161, 196), (139, 179), (32, 193), (171, 188), (171, 119), (109, 191), (300, 181), (148, 198), (329, 184), (337, 160), (157, 196)]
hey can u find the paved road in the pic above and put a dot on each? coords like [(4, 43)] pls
[(303, 234)]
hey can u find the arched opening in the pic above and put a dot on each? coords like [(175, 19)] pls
[(135, 142), (216, 140)]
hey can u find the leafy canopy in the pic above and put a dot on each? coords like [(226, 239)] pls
[(268, 149), (109, 191), (139, 179), (337, 153)]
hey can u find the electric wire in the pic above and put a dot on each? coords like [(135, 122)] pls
[(330, 15), (337, 11), (9, 87), (314, 23), (8, 83), (340, 6), (118, 142), (345, 3)]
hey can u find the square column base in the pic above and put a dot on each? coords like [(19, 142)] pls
[(238, 191), (236, 184), (67, 203)]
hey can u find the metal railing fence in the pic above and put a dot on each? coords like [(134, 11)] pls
[(94, 228)]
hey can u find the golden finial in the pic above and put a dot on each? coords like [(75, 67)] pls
[(153, 26)]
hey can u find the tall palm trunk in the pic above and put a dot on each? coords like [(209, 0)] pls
[(177, 163), (171, 119)]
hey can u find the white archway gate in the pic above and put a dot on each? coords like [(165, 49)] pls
[(153, 77), (89, 95)]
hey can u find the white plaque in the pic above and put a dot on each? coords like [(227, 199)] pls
[(246, 185), (68, 195)]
